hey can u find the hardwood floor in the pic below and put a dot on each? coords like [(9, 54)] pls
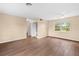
[(40, 47)]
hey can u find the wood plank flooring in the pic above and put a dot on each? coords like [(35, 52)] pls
[(40, 47)]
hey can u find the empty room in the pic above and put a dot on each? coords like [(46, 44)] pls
[(39, 29)]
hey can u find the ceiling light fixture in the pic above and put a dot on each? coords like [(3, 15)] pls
[(28, 4)]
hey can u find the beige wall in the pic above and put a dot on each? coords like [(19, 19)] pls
[(41, 29), (12, 28), (73, 34)]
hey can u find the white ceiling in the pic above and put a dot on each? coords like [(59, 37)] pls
[(40, 10)]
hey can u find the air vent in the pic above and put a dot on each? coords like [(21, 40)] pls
[(41, 19)]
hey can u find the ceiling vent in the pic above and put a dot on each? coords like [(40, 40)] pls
[(41, 19)]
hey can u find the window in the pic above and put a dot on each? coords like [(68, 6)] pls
[(62, 26)]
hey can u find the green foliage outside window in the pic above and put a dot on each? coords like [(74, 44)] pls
[(65, 26)]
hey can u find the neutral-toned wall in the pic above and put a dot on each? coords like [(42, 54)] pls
[(12, 28), (41, 29), (73, 34)]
